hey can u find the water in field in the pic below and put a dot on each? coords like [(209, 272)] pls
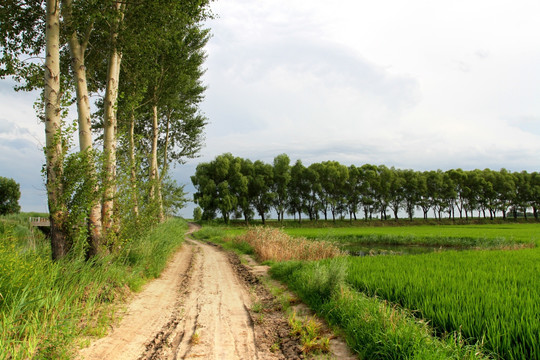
[(356, 249)]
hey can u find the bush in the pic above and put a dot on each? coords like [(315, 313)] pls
[(197, 214), (10, 194)]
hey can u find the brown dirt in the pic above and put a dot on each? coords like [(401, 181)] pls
[(206, 305)]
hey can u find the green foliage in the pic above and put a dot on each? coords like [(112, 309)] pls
[(163, 78), (197, 214), (9, 196), (45, 305), (329, 188), (174, 196)]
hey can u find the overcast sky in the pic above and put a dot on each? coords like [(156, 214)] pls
[(420, 84)]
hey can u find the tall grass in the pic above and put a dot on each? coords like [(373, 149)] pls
[(274, 244), (45, 306)]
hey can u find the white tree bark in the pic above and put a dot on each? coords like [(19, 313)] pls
[(155, 190), (53, 151), (77, 50), (110, 130)]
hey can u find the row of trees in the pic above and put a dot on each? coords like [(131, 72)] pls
[(142, 63), (234, 186)]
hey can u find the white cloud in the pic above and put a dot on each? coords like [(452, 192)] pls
[(412, 83), (417, 84)]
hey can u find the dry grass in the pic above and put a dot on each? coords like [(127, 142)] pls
[(274, 244)]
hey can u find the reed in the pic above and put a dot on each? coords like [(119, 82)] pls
[(273, 244)]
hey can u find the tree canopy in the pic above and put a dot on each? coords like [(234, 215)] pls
[(331, 189), (9, 196), (143, 62)]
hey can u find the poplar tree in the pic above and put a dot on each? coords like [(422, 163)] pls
[(40, 39)]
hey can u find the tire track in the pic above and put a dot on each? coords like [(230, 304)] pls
[(198, 308), (146, 315), (216, 326)]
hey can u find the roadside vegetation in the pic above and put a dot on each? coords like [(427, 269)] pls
[(47, 307), (467, 304), (269, 244)]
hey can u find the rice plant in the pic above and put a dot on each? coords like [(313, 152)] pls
[(489, 296)]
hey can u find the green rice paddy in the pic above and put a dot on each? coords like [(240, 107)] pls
[(490, 295)]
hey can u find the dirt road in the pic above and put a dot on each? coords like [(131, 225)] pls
[(198, 308)]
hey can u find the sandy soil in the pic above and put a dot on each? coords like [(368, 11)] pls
[(200, 307)]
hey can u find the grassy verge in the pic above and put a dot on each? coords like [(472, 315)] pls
[(374, 329), (220, 236), (45, 307)]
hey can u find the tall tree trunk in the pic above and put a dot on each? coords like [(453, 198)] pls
[(53, 149), (132, 166), (110, 128), (77, 50), (155, 188), (110, 141), (164, 168)]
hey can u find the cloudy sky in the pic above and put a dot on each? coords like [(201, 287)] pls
[(420, 84)]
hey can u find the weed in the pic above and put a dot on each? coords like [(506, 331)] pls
[(257, 307), (310, 331), (275, 346), (195, 338), (47, 305)]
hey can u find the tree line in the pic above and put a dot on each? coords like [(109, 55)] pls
[(233, 186), (133, 71)]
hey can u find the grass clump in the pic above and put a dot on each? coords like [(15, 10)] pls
[(311, 334), (273, 244), (46, 307)]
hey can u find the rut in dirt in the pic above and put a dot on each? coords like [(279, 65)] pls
[(215, 321)]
